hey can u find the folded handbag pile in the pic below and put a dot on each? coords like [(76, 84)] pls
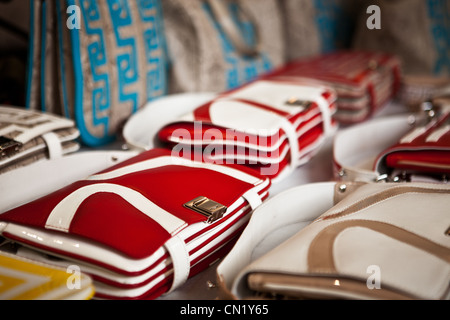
[(28, 136), (364, 81), (272, 126), (142, 227)]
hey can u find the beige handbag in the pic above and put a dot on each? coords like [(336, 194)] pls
[(216, 45), (380, 241)]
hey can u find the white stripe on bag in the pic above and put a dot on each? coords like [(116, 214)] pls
[(168, 160)]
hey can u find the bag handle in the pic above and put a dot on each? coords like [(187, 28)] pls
[(222, 15)]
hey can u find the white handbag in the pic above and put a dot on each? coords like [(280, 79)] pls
[(381, 241)]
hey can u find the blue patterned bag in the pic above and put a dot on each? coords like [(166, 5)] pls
[(96, 61)]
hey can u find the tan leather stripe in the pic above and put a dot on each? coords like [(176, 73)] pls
[(423, 164), (317, 287), (320, 254), (392, 192)]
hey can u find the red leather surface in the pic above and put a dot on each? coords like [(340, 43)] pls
[(107, 219), (422, 154)]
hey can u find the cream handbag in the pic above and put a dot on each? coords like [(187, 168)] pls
[(381, 241)]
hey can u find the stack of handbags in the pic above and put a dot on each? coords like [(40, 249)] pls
[(372, 234), (381, 241), (141, 227), (29, 136), (269, 125), (364, 81)]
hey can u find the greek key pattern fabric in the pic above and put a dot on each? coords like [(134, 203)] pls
[(121, 62)]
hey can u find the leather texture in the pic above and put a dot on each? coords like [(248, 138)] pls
[(25, 184), (159, 241), (382, 241), (364, 81), (424, 149), (256, 125)]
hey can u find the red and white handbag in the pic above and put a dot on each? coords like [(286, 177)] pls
[(364, 81), (270, 125), (143, 226), (424, 150), (399, 147)]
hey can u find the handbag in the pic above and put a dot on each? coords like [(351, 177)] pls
[(425, 148), (25, 279), (364, 81), (136, 227), (271, 126), (217, 45), (380, 241), (408, 137), (96, 62), (29, 136)]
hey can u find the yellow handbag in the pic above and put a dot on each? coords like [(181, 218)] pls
[(24, 279)]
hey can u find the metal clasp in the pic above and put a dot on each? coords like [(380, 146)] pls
[(296, 102), (209, 208), (8, 146)]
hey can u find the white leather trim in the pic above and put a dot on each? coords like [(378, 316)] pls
[(168, 160), (253, 198), (141, 129), (53, 143), (291, 134), (274, 221), (414, 134), (61, 216), (356, 148), (439, 133), (275, 94), (30, 133), (180, 261), (326, 115), (25, 184)]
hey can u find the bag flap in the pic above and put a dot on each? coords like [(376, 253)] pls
[(137, 205)]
